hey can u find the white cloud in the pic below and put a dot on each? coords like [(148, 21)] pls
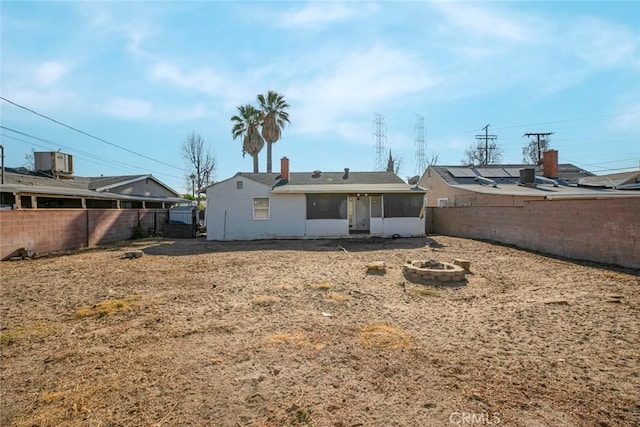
[(42, 100), (49, 73), (600, 44), (202, 79), (128, 108), (356, 84), (485, 22), (316, 15)]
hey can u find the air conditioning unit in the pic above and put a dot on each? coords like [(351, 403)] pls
[(58, 164), (528, 177)]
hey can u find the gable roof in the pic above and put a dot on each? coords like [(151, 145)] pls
[(23, 180), (332, 182)]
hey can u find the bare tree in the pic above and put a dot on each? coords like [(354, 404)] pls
[(531, 151), (201, 164), (481, 155), (30, 160), (433, 159)]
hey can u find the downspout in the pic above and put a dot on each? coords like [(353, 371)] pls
[(2, 155)]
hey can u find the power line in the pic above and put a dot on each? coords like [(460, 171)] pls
[(121, 165), (88, 134)]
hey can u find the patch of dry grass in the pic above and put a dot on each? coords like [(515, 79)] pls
[(619, 277), (106, 308), (265, 299), (29, 333), (383, 336), (426, 291), (338, 297), (323, 286), (298, 340)]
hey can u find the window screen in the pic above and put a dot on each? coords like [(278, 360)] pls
[(402, 205), (261, 208), (376, 206), (326, 206)]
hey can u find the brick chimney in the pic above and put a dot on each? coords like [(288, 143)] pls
[(550, 164), (284, 169)]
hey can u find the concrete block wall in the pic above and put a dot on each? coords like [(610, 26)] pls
[(601, 230), (54, 230)]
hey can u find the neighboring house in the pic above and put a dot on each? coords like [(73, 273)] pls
[(51, 188), (511, 185), (618, 181), (314, 204)]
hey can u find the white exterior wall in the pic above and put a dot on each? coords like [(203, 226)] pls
[(287, 212), (405, 227), (327, 227), (287, 216)]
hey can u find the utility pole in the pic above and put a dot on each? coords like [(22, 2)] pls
[(486, 138), (538, 135)]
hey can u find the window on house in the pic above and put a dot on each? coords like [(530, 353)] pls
[(443, 202), (238, 185), (326, 206), (402, 205), (260, 207), (376, 206)]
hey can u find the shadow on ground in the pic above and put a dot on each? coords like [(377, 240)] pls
[(184, 247)]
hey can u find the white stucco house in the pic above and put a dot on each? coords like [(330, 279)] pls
[(315, 204)]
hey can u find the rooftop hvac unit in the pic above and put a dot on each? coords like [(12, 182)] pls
[(528, 177), (54, 162)]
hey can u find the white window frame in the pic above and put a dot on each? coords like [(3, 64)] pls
[(443, 202), (254, 208), (239, 185)]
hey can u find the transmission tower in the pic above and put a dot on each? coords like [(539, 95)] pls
[(379, 142), (421, 161)]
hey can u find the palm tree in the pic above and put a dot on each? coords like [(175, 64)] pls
[(246, 125), (274, 116)]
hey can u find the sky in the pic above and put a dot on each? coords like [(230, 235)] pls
[(135, 79)]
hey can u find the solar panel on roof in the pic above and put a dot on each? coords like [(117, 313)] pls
[(513, 172), (461, 172), (492, 172)]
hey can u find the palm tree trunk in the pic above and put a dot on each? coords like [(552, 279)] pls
[(269, 156), (255, 163)]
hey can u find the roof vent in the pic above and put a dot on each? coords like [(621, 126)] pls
[(316, 174)]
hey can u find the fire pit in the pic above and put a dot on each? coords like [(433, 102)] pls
[(433, 271)]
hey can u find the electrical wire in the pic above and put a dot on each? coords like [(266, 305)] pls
[(121, 165), (88, 134)]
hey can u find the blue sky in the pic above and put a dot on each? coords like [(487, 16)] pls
[(144, 75)]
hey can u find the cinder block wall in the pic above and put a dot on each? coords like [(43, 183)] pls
[(601, 230), (54, 230)]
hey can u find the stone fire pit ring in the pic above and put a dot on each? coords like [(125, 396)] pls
[(433, 271)]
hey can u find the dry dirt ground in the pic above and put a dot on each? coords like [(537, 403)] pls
[(275, 333)]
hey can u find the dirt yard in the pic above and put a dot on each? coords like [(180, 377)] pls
[(276, 333)]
